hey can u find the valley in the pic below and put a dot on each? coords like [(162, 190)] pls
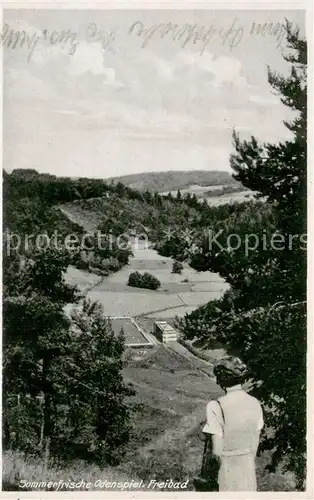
[(178, 294), (168, 431), (171, 383)]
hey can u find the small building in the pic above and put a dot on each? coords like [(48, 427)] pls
[(165, 332)]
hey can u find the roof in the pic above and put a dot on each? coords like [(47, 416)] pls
[(164, 326)]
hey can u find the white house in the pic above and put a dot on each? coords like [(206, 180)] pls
[(165, 332)]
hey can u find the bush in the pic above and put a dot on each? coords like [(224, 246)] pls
[(149, 281), (177, 267), (145, 280), (135, 279)]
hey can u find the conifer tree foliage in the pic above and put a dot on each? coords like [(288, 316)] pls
[(63, 389), (278, 171), (97, 421), (35, 335), (263, 317)]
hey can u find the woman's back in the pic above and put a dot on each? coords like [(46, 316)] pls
[(234, 421), (243, 419), (237, 418)]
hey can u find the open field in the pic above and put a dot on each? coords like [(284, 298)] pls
[(237, 193), (195, 188), (202, 192), (83, 279), (174, 297), (238, 197)]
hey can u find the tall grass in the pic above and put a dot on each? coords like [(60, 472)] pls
[(177, 464), (17, 467)]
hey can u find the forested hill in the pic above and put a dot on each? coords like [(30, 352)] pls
[(176, 179), (32, 201), (40, 203)]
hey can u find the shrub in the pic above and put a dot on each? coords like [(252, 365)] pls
[(135, 279), (177, 267), (145, 280), (150, 281)]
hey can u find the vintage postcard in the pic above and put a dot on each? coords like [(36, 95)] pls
[(154, 272)]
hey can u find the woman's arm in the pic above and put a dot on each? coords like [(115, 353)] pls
[(217, 445), (214, 429), (255, 443), (208, 480)]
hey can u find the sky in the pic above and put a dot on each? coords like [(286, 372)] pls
[(121, 96)]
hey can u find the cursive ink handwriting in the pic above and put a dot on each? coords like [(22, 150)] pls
[(183, 34), (189, 33), (63, 38), (277, 30), (106, 38), (186, 34), (15, 39)]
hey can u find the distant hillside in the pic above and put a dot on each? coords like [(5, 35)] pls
[(175, 179)]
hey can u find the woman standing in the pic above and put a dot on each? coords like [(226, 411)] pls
[(234, 422)]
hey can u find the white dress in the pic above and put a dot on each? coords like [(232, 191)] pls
[(239, 426)]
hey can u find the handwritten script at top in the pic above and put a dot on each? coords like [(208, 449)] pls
[(186, 34), (189, 33), (181, 34), (67, 40)]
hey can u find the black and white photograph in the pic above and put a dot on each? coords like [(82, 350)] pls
[(154, 249)]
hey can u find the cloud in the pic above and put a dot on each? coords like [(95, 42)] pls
[(89, 58), (223, 69), (70, 56), (263, 100), (165, 69), (43, 55), (138, 109), (24, 86)]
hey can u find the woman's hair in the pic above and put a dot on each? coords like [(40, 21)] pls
[(230, 371)]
